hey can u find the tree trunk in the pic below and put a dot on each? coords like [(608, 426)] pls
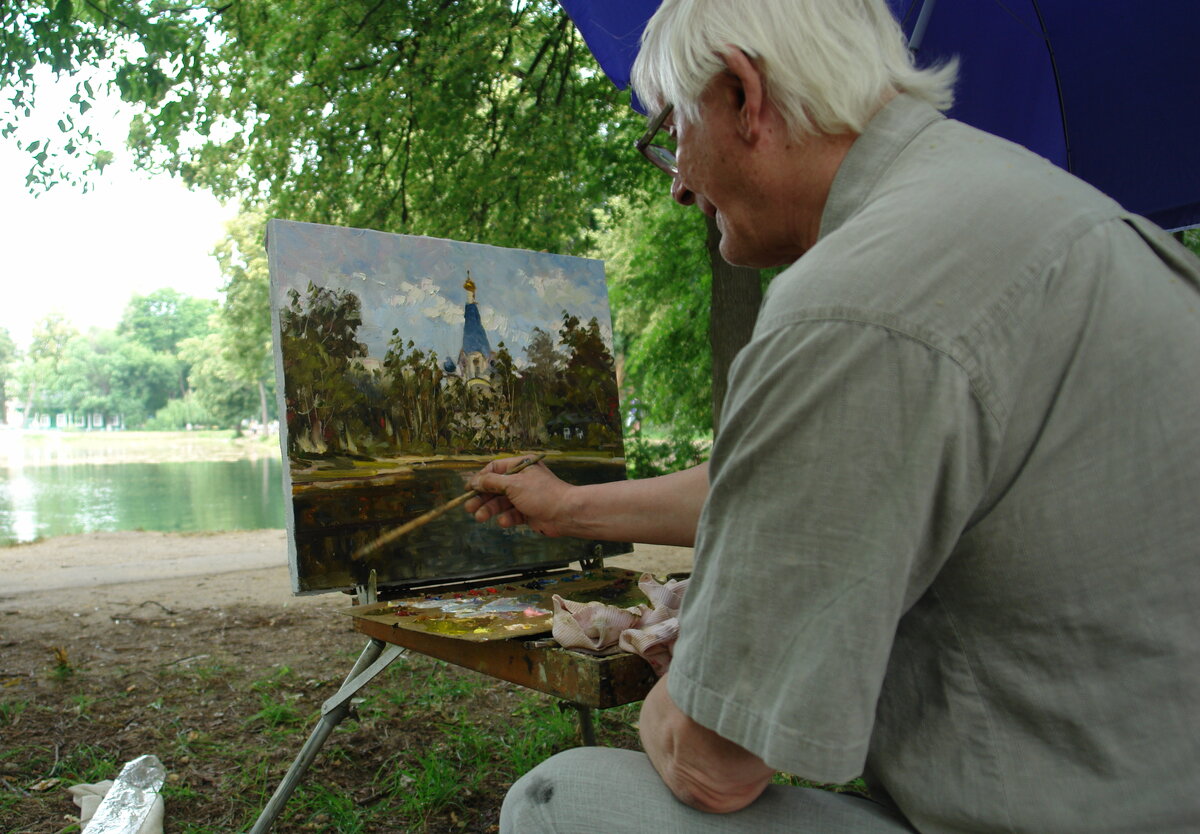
[(262, 403), (736, 297), (27, 415)]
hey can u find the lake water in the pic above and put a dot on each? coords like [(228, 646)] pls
[(53, 500)]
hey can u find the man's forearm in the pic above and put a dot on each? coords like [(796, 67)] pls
[(662, 510), (702, 769)]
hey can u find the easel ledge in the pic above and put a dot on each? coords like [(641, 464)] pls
[(582, 679)]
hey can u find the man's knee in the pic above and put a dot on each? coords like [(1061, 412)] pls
[(565, 784)]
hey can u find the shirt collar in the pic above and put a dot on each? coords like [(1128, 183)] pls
[(887, 134)]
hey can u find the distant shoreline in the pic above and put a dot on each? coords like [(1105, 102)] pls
[(36, 447)]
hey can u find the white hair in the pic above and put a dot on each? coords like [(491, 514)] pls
[(827, 63)]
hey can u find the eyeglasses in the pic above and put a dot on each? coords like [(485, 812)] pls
[(661, 157)]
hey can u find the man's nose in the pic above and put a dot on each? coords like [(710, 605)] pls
[(681, 193)]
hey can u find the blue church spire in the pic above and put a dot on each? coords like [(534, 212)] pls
[(475, 358), (475, 339)]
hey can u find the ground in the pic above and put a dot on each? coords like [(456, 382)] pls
[(192, 647)]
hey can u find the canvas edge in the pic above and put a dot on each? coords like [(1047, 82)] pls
[(281, 404)]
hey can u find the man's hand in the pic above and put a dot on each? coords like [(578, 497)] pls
[(662, 510), (535, 496), (702, 769)]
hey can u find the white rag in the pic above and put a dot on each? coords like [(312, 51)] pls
[(646, 630)]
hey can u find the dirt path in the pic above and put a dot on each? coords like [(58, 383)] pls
[(97, 575)]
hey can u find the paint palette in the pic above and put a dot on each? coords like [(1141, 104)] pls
[(519, 608)]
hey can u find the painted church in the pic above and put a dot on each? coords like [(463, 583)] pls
[(475, 357)]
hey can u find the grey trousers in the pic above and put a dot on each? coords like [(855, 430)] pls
[(607, 791)]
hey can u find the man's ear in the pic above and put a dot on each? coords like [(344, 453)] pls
[(752, 95)]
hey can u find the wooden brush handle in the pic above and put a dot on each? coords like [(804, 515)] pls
[(425, 518)]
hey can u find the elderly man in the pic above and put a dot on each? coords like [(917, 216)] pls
[(949, 537)]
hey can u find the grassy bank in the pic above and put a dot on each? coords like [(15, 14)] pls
[(28, 447)]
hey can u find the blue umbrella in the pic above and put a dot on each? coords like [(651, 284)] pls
[(1104, 88)]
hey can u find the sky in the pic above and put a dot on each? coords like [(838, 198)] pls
[(85, 255)]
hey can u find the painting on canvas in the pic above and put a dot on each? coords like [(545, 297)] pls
[(406, 363)]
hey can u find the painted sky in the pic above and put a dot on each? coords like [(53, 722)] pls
[(416, 284)]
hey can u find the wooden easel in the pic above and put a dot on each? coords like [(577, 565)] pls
[(586, 682)]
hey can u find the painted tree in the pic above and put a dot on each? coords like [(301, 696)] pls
[(588, 387), (413, 398), (319, 335), (544, 359), (504, 384)]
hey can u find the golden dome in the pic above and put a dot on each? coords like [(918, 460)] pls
[(470, 285)]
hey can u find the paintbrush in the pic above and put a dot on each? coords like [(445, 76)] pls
[(425, 518)]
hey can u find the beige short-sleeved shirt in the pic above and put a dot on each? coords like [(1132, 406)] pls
[(953, 535)]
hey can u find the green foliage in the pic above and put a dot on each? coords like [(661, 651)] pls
[(10, 711), (646, 458), (1191, 239), (218, 392), (88, 763), (473, 120), (327, 809), (340, 401), (858, 785), (139, 47), (282, 677), (105, 378), (244, 323), (422, 684), (38, 376), (660, 286), (181, 413), (164, 318), (276, 713), (103, 374)]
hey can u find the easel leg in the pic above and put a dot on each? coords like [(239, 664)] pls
[(587, 726), (373, 660)]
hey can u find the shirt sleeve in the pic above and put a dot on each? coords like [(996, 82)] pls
[(850, 459)]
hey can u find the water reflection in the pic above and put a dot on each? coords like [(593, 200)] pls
[(52, 500)]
